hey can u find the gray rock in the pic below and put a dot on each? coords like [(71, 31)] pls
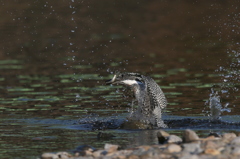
[(236, 141), (174, 139), (110, 148), (192, 148), (190, 136), (236, 151)]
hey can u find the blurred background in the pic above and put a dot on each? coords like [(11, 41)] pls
[(55, 56)]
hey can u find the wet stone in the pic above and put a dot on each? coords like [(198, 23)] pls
[(190, 136)]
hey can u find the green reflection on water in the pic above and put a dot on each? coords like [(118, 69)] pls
[(3, 62), (20, 89), (82, 66), (11, 67)]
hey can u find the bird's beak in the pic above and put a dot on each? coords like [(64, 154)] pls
[(111, 81)]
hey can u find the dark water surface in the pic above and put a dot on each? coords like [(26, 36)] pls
[(55, 57)]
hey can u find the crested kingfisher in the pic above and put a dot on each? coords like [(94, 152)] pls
[(151, 99)]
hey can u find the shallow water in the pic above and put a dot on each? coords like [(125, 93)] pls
[(55, 58)]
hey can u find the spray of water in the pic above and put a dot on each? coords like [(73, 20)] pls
[(216, 107)]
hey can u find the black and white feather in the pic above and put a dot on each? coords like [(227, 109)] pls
[(151, 99)]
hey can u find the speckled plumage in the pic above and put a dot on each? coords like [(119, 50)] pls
[(150, 97)]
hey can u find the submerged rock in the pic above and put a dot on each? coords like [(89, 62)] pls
[(102, 135)]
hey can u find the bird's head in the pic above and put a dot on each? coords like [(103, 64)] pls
[(128, 79)]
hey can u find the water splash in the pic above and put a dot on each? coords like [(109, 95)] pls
[(216, 107)]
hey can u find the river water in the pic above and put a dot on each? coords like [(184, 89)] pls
[(55, 57)]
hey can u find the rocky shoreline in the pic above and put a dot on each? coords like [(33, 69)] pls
[(189, 146)]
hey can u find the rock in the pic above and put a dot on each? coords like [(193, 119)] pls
[(63, 155), (211, 151), (84, 150), (173, 148), (210, 138), (99, 153), (189, 156), (236, 151), (151, 153), (59, 155), (190, 136), (110, 148), (228, 137), (133, 157), (193, 148), (235, 141), (162, 136), (210, 145), (174, 139), (214, 134), (49, 156), (144, 147)]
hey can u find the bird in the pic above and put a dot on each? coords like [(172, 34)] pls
[(150, 97)]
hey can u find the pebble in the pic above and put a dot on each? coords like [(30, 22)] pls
[(190, 136), (59, 155), (210, 144), (193, 148), (227, 137), (110, 148), (174, 139), (49, 156), (235, 141), (236, 151), (173, 148), (99, 153), (211, 151)]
